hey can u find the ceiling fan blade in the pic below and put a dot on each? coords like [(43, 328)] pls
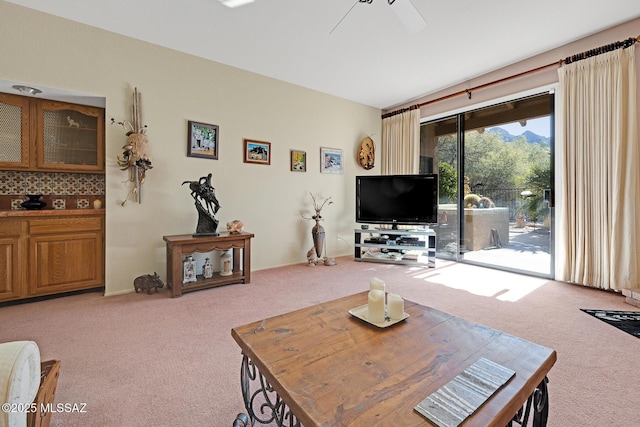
[(235, 3), (408, 14), (349, 11)]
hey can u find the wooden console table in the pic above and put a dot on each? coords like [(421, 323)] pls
[(182, 245)]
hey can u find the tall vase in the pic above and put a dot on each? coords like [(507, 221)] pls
[(318, 238)]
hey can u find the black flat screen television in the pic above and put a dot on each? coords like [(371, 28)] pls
[(397, 199)]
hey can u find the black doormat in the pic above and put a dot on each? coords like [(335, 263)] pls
[(628, 321)]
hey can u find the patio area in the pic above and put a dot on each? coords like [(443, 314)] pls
[(527, 249)]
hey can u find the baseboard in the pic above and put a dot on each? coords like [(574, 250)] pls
[(124, 291), (52, 296), (632, 297)]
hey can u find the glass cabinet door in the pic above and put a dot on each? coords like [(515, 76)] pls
[(70, 137), (14, 132)]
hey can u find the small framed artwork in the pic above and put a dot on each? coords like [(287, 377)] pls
[(331, 160), (257, 152), (298, 161), (203, 140)]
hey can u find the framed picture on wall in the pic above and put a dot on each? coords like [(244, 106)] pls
[(202, 140), (331, 160), (298, 161), (257, 152)]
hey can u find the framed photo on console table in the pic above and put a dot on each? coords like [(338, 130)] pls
[(257, 152), (202, 140), (331, 160)]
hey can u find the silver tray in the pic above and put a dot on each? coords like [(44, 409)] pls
[(362, 312)]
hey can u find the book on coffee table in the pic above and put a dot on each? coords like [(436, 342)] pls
[(450, 405)]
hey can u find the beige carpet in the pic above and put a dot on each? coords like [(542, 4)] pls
[(140, 360)]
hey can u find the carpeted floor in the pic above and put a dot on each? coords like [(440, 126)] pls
[(141, 360), (628, 321)]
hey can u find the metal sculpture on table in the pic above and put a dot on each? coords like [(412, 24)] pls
[(207, 205)]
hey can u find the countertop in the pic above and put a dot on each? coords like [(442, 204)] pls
[(49, 212)]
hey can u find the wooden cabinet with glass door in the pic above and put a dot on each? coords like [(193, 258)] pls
[(44, 135), (49, 251), (69, 137), (15, 143)]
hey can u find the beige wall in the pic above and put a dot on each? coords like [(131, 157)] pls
[(45, 51)]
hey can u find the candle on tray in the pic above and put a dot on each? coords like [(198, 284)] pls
[(376, 284), (375, 308), (396, 306)]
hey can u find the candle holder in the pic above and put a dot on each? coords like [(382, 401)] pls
[(226, 263), (189, 270), (207, 269)]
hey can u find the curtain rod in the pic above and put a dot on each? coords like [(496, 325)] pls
[(580, 56), (602, 49)]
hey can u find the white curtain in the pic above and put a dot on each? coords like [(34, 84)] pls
[(401, 143), (598, 219)]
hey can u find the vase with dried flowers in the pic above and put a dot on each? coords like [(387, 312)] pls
[(317, 232)]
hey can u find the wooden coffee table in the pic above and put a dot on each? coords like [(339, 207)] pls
[(321, 366)]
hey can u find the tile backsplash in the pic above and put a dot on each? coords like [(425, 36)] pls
[(50, 183), (59, 190)]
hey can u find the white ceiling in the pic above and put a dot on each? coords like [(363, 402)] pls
[(370, 57)]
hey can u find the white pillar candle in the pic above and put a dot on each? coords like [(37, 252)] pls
[(375, 308), (396, 306), (376, 284)]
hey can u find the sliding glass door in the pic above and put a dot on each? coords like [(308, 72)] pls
[(495, 170), (439, 147)]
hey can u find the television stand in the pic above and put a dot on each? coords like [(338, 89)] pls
[(411, 247)]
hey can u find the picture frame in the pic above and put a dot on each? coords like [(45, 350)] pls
[(298, 161), (331, 160), (257, 152), (202, 140)]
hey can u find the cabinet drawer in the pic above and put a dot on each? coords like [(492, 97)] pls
[(11, 227), (69, 224)]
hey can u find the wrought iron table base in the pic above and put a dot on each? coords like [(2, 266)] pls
[(262, 403), (264, 406), (539, 403)]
